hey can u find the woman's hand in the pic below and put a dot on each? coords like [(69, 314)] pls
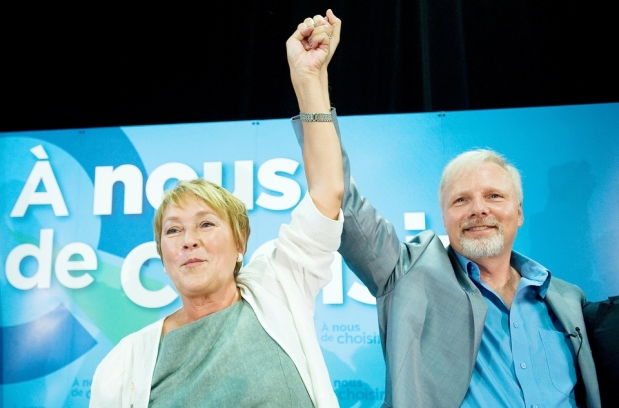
[(309, 50)]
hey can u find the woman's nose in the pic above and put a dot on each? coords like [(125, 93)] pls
[(190, 238)]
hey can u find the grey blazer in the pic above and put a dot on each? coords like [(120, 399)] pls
[(431, 315)]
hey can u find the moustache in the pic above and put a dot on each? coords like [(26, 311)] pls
[(488, 221)]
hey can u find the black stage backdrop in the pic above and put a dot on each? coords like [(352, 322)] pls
[(96, 66)]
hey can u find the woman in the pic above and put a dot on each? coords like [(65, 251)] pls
[(244, 336)]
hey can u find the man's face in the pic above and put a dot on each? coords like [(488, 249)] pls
[(482, 213)]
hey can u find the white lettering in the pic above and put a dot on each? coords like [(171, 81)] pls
[(64, 265), (106, 177), (42, 253), (289, 189), (158, 178), (243, 179), (132, 179), (244, 182), (39, 152), (130, 279), (42, 172), (212, 171), (361, 294)]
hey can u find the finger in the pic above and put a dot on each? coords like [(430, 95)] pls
[(330, 17), (336, 23), (321, 22), (319, 40), (318, 19), (309, 22), (302, 32), (324, 24), (322, 29)]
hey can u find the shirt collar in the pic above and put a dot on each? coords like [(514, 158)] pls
[(534, 273)]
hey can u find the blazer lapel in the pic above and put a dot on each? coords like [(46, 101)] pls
[(565, 309), (476, 300), (569, 313)]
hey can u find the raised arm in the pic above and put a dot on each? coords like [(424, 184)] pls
[(309, 51), (369, 244)]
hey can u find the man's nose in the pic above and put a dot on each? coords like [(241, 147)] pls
[(479, 206)]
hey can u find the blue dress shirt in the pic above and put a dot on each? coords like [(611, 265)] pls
[(525, 358)]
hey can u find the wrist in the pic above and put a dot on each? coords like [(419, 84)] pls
[(316, 117), (306, 76), (311, 97)]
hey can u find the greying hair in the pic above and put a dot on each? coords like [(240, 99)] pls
[(227, 206), (473, 158)]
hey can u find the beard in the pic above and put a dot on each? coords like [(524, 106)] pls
[(482, 247)]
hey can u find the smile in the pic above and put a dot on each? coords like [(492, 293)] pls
[(192, 261), (479, 228)]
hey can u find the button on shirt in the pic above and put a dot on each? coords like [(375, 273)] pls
[(525, 358)]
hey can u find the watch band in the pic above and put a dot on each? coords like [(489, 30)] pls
[(315, 117)]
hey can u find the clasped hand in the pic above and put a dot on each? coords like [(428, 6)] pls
[(312, 45)]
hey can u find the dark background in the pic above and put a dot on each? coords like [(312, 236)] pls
[(152, 64)]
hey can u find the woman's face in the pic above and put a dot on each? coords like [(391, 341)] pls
[(198, 250)]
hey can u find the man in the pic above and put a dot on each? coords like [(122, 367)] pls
[(602, 320), (476, 324)]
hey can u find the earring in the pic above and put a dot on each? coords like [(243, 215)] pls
[(239, 258)]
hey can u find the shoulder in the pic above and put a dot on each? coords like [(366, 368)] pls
[(426, 244), (566, 289), (607, 308), (150, 333), (115, 362), (426, 254), (423, 238), (133, 357)]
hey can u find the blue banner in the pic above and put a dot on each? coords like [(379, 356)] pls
[(80, 270)]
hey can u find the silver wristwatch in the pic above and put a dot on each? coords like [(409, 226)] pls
[(316, 117)]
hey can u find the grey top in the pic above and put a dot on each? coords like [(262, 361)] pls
[(225, 359)]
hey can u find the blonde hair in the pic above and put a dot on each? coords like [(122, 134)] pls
[(473, 158), (227, 206)]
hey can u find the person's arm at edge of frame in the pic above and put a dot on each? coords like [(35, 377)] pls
[(309, 51)]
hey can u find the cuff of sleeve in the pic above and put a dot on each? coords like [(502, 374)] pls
[(322, 229)]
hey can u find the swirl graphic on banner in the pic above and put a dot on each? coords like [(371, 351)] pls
[(40, 347), (119, 149)]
